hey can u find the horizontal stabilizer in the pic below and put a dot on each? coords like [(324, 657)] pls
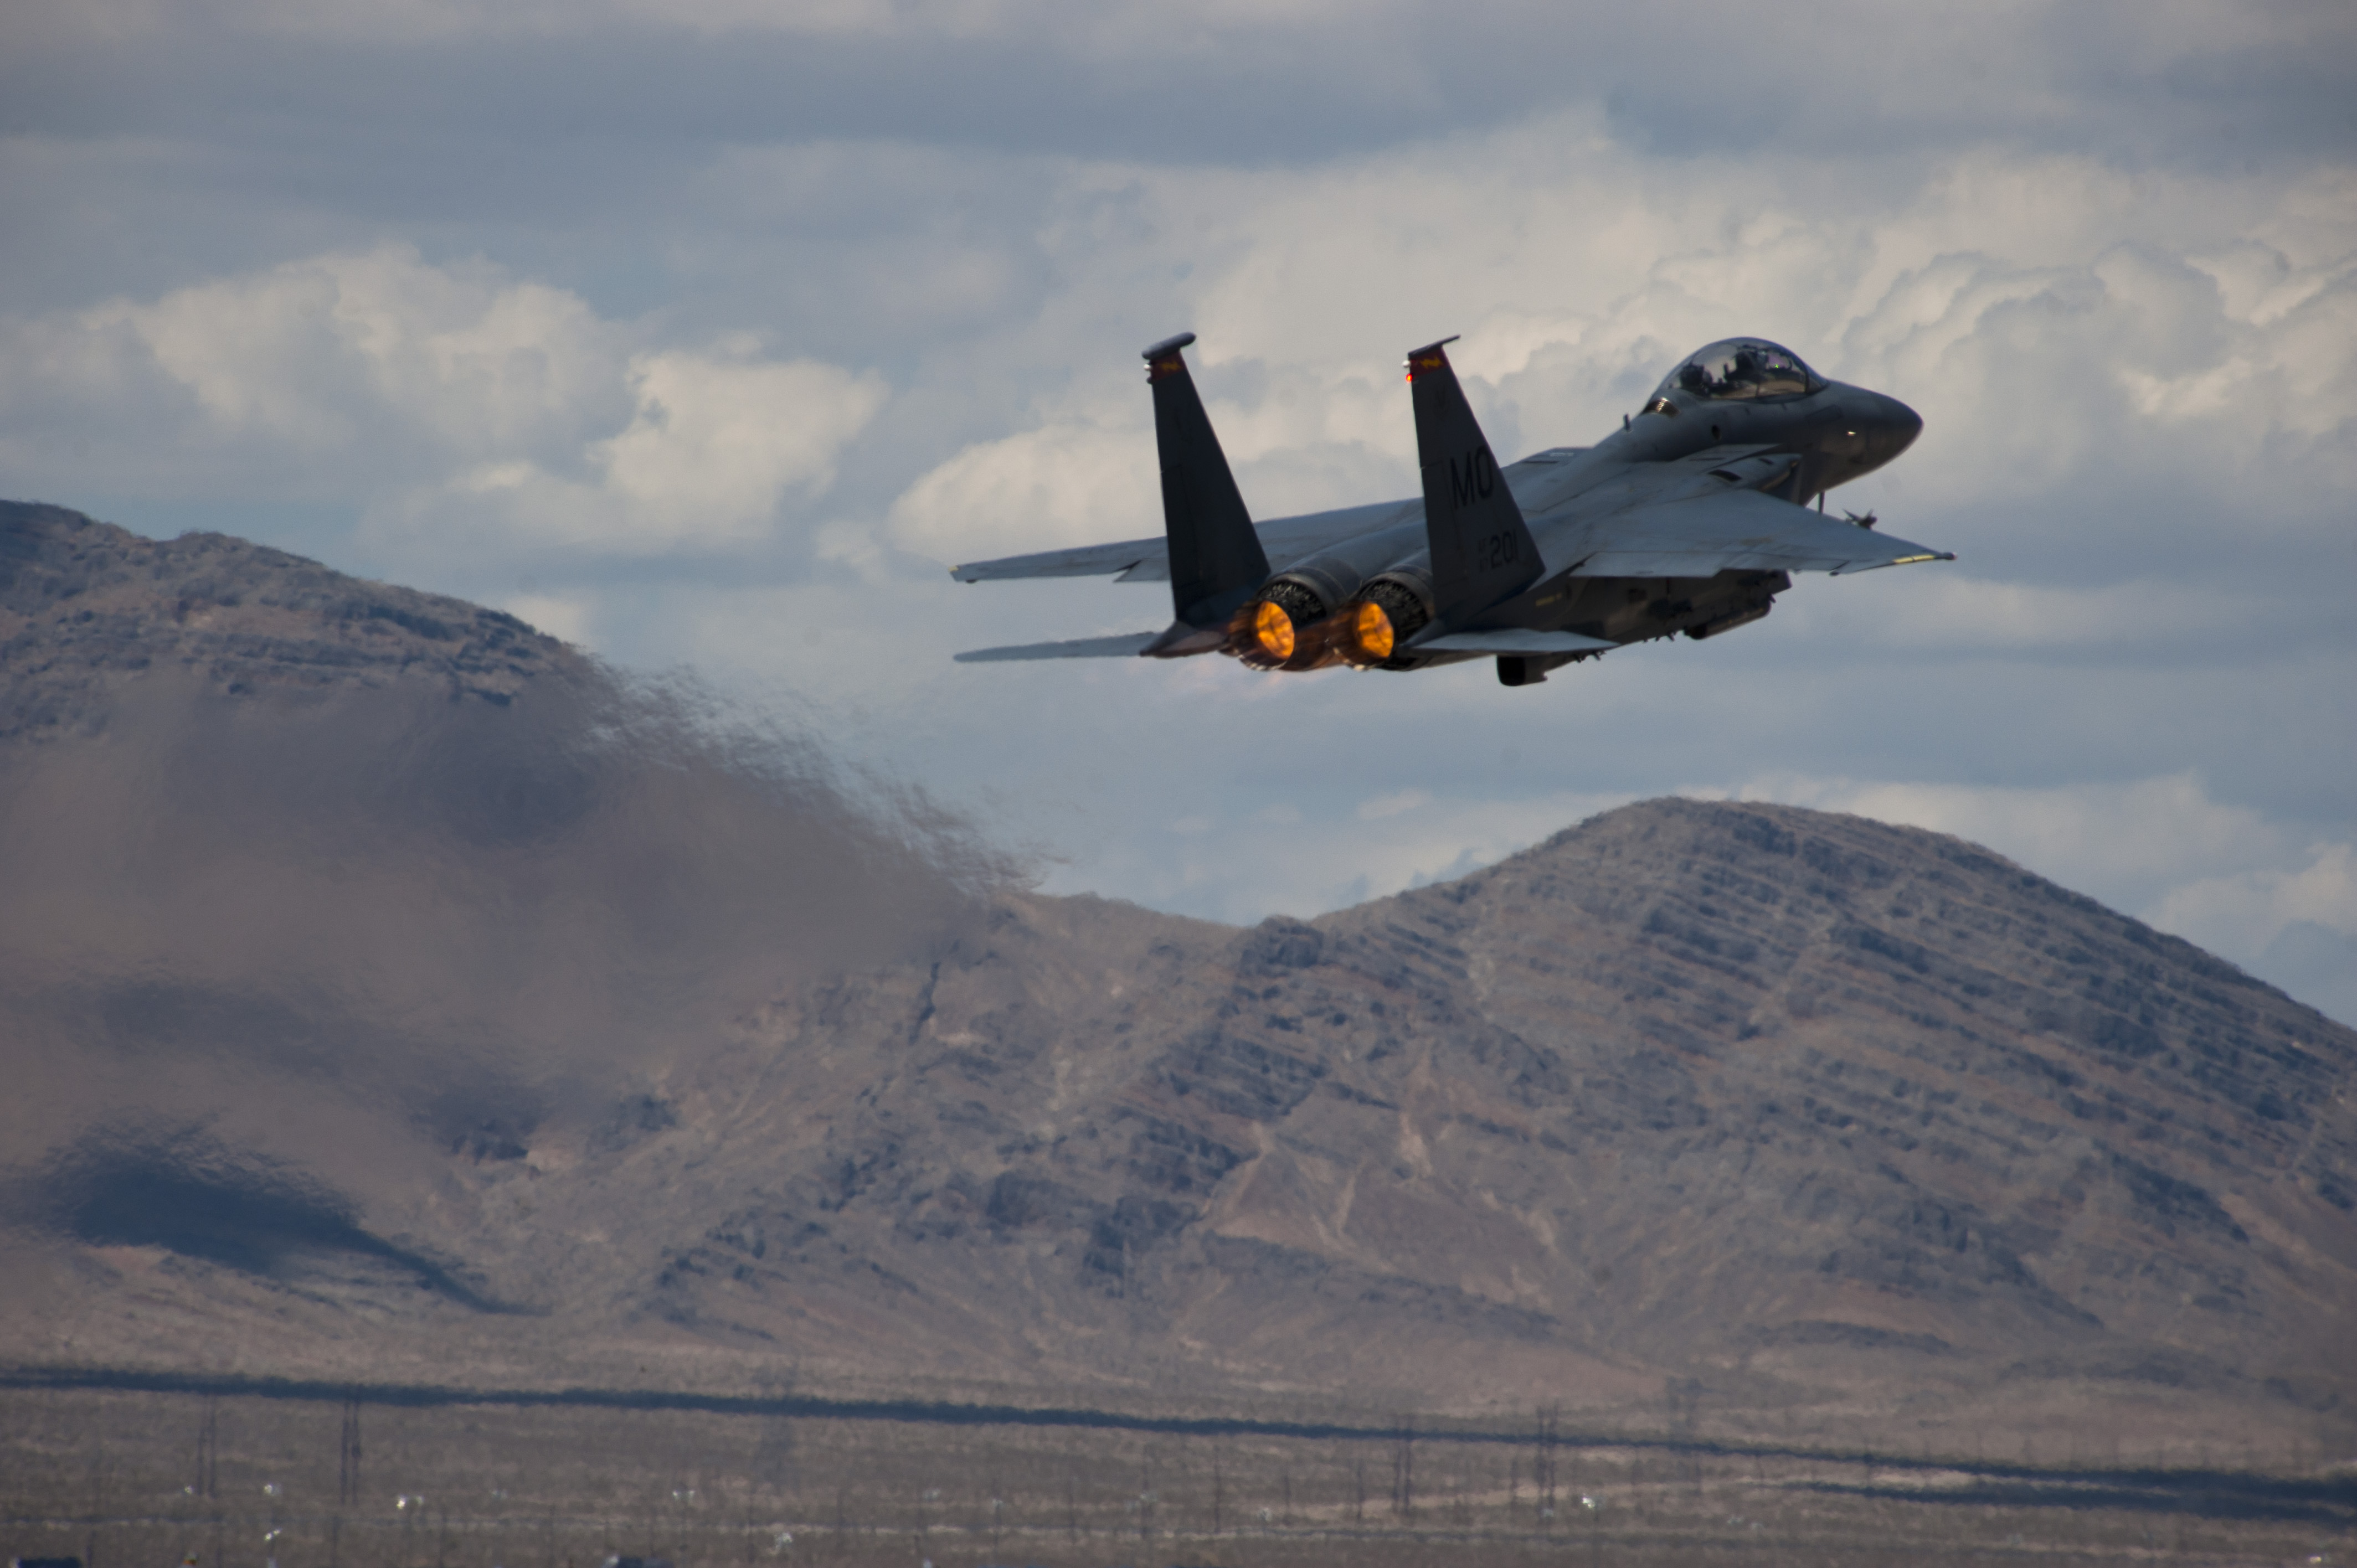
[(1127, 645), (1088, 561), (1743, 530), (1510, 641)]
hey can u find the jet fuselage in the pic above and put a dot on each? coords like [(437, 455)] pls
[(1688, 519)]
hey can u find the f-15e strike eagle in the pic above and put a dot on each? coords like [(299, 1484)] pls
[(1692, 517)]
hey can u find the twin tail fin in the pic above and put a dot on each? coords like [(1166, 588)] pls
[(1482, 552), (1216, 560)]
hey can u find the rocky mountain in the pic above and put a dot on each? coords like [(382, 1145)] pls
[(1729, 1109), (86, 608)]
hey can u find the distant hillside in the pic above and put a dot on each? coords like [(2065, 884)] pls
[(602, 1065), (86, 606)]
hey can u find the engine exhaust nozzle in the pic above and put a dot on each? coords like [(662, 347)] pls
[(1287, 628), (1375, 627)]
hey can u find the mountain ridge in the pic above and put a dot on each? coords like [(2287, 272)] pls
[(1693, 1101), (85, 605)]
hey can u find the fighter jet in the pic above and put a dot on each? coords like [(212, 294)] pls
[(1691, 517)]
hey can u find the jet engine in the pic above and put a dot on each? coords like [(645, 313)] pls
[(1289, 624), (1393, 607)]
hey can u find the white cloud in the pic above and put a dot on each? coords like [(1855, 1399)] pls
[(568, 619), (713, 447), (2126, 842), (1071, 483), (454, 405), (1377, 808), (2247, 911), (311, 356)]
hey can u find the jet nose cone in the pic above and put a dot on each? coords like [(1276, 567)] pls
[(1900, 425)]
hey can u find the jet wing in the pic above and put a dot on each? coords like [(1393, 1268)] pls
[(1740, 530), (1128, 644)]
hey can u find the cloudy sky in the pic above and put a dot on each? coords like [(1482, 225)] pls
[(704, 333)]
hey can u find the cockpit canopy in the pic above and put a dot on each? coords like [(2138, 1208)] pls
[(1746, 368)]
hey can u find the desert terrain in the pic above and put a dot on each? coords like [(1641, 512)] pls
[(653, 1140)]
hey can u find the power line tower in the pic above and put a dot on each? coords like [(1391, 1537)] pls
[(348, 1455), (1544, 1464), (1403, 1472), (208, 1478)]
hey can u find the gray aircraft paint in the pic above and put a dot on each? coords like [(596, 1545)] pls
[(1689, 519)]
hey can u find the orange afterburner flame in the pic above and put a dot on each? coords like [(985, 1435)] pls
[(1369, 639), (1246, 641), (1272, 630), (1264, 637)]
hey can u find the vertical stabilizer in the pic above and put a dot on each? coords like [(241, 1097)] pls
[(1216, 560), (1482, 553)]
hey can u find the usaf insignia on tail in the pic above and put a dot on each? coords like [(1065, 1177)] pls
[(1690, 519)]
